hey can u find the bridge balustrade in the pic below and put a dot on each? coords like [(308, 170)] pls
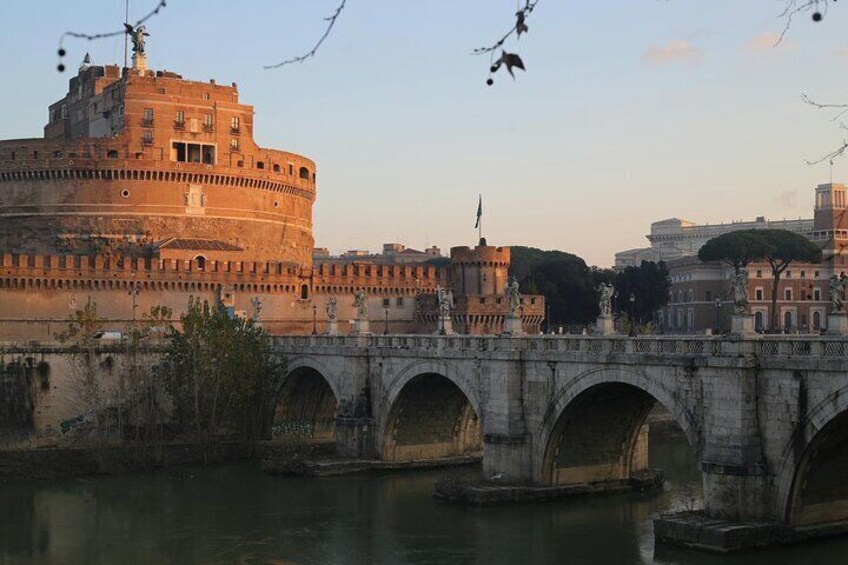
[(714, 346)]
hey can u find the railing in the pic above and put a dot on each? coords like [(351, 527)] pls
[(660, 346)]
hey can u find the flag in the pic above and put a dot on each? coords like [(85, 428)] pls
[(479, 212)]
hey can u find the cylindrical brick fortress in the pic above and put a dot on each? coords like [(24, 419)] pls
[(132, 162)]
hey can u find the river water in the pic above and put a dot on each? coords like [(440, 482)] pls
[(237, 514)]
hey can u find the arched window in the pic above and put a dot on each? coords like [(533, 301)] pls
[(260, 165), (304, 173), (304, 292), (276, 168), (200, 260)]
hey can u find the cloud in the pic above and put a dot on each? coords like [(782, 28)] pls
[(675, 51), (768, 42)]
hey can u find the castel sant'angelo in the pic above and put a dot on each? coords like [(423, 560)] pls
[(148, 189)]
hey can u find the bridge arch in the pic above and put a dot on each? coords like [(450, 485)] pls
[(306, 404), (429, 413), (811, 482), (601, 414)]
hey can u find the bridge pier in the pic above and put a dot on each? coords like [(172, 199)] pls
[(733, 463)]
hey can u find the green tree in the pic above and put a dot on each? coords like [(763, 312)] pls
[(88, 393), (782, 249), (649, 284), (220, 374), (565, 281), (736, 248)]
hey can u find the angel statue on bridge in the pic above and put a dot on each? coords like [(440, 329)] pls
[(360, 302), (446, 303), (605, 293), (739, 287), (331, 308), (837, 290), (513, 296)]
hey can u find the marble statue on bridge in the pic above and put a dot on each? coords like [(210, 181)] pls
[(739, 285)]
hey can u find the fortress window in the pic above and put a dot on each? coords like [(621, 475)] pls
[(207, 122), (276, 168), (112, 154), (148, 117), (234, 125), (787, 294), (179, 119), (178, 152), (193, 153), (399, 301), (200, 260), (304, 173), (234, 144), (57, 154), (304, 292), (240, 164), (260, 165), (209, 154), (291, 169), (206, 96)]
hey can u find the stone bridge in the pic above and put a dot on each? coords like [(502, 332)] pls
[(766, 417)]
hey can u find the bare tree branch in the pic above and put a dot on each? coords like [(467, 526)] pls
[(518, 28), (840, 110), (795, 7), (331, 22), (92, 36)]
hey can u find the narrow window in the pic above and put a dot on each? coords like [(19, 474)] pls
[(209, 154), (148, 116), (304, 292), (207, 122), (304, 173), (234, 124), (787, 294), (759, 294), (179, 120)]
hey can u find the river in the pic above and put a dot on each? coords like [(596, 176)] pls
[(236, 514)]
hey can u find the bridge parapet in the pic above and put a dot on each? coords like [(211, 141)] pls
[(764, 347)]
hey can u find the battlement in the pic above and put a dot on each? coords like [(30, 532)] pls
[(483, 255), (19, 270)]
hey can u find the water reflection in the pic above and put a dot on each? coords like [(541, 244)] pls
[(235, 513)]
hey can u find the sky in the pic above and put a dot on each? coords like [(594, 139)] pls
[(631, 111)]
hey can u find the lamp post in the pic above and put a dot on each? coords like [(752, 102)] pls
[(314, 319), (632, 314), (386, 331), (615, 318), (717, 329), (133, 291)]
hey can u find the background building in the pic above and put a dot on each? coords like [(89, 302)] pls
[(700, 296)]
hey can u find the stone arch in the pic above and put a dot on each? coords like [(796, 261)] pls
[(627, 396), (810, 453), (427, 412), (306, 404)]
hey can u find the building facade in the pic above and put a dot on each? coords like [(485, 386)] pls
[(700, 297)]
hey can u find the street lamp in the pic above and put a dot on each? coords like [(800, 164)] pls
[(133, 291), (632, 314), (386, 331), (718, 316), (314, 319)]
